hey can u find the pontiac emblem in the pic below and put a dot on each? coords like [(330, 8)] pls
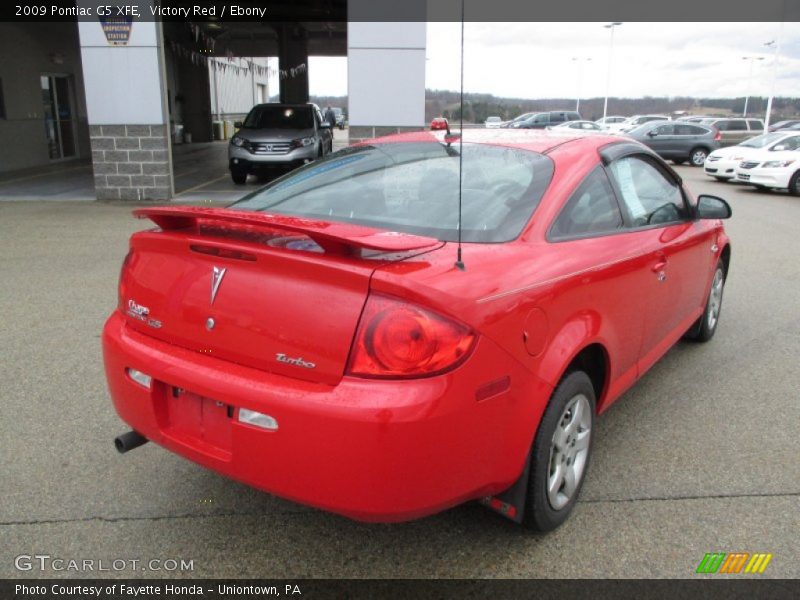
[(216, 279)]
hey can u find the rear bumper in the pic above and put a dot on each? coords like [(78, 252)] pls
[(368, 449)]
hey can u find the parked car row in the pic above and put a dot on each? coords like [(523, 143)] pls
[(769, 161)]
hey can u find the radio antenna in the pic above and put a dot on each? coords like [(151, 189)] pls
[(459, 262)]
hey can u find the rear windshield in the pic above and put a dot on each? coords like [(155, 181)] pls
[(412, 187), (761, 141), (280, 117)]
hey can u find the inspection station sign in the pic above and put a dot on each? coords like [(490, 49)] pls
[(117, 29)]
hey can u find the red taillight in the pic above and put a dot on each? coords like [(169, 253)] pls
[(717, 135), (396, 339), (123, 280)]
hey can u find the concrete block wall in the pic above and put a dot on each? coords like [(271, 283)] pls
[(131, 162)]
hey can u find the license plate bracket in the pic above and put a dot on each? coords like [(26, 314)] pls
[(198, 419)]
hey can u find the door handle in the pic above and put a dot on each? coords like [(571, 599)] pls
[(659, 266)]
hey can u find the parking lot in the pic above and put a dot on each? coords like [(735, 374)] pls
[(200, 174), (699, 456)]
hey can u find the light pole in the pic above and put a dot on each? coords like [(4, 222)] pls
[(777, 46), (610, 26), (752, 59), (580, 62)]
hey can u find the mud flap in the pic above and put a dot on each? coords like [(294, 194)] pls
[(511, 503)]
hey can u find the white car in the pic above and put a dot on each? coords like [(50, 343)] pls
[(772, 169), (721, 164), (582, 126), (493, 122), (611, 123), (633, 122)]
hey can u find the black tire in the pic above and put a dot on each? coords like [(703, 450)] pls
[(540, 514), (794, 184), (239, 177), (705, 327), (698, 156)]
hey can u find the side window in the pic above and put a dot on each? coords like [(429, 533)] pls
[(737, 126), (557, 117), (723, 125), (592, 209), (665, 129), (792, 143), (755, 124), (647, 195)]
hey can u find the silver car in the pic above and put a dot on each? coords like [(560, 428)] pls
[(278, 136), (678, 141)]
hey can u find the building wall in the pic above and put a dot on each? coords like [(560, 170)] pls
[(237, 92), (28, 51), (126, 106), (386, 77)]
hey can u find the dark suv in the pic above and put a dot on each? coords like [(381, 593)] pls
[(546, 119)]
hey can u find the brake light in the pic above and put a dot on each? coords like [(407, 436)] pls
[(123, 280), (397, 339), (717, 135)]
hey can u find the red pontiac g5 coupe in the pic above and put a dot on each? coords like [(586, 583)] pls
[(318, 340)]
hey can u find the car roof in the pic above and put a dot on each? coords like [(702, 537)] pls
[(537, 140), (287, 104)]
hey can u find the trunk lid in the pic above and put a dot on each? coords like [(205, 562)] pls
[(276, 293)]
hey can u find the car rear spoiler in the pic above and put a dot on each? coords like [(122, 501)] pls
[(331, 236)]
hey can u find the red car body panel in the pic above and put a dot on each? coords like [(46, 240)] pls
[(390, 450)]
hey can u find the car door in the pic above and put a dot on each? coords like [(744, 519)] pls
[(677, 246), (589, 239), (661, 138), (738, 131), (755, 127)]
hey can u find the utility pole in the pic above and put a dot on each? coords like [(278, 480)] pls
[(752, 59), (610, 26), (777, 45), (580, 62)]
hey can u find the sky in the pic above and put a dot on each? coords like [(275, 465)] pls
[(534, 60)]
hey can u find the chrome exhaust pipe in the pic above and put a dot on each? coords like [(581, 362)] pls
[(128, 441)]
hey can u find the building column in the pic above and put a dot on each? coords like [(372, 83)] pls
[(124, 78), (293, 52), (397, 104)]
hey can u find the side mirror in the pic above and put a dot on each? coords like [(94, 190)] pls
[(652, 133), (778, 148), (237, 124), (711, 207), (324, 125)]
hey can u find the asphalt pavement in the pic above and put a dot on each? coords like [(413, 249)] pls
[(699, 456)]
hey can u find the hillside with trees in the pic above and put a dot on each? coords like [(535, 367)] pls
[(477, 107)]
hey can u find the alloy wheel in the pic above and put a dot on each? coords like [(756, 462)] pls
[(699, 157), (569, 450), (715, 299)]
